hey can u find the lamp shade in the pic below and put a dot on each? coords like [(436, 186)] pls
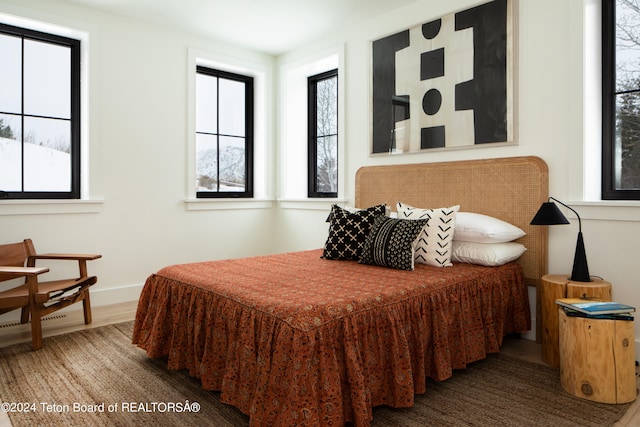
[(549, 214)]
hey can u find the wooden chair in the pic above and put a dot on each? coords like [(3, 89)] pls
[(38, 299)]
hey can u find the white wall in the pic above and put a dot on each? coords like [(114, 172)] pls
[(138, 159), (550, 120), (139, 132)]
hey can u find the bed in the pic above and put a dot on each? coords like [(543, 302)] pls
[(297, 339)]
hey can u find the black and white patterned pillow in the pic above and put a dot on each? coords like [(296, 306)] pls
[(435, 242), (350, 209), (348, 231), (390, 243)]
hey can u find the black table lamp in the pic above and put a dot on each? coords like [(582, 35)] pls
[(549, 214)]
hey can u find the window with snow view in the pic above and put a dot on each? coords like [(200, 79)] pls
[(224, 134), (39, 115)]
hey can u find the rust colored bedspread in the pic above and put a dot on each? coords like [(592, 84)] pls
[(294, 339)]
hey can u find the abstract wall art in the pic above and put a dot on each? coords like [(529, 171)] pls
[(447, 83)]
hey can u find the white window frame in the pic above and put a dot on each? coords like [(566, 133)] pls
[(90, 200), (585, 119), (261, 71), (293, 135)]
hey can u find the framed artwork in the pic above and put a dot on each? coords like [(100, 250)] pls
[(447, 83)]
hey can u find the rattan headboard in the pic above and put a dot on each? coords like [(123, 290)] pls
[(511, 189)]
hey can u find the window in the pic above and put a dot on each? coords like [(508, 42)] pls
[(621, 100), (39, 115), (323, 135), (224, 134)]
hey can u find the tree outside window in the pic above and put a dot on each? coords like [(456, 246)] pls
[(323, 135), (621, 99)]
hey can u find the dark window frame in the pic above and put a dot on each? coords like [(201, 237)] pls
[(249, 133), (312, 146), (609, 190), (75, 113)]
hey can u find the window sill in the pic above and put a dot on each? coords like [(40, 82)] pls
[(223, 204), (47, 207), (318, 204), (610, 210)]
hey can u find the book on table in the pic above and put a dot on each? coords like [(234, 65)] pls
[(614, 316), (595, 307)]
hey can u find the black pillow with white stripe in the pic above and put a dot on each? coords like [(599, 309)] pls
[(390, 243)]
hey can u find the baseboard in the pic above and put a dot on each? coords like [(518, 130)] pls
[(115, 295), (531, 334), (99, 297)]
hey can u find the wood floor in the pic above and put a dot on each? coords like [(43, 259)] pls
[(73, 321)]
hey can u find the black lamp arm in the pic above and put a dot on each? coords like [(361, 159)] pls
[(572, 210)]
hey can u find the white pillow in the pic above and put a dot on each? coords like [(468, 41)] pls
[(433, 245), (474, 227), (491, 254)]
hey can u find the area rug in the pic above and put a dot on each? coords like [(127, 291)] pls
[(96, 377), (501, 391)]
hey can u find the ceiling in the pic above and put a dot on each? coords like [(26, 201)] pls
[(270, 26)]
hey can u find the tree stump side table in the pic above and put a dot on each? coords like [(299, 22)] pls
[(597, 358), (556, 286)]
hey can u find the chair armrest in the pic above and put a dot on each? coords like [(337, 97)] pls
[(22, 271), (81, 258), (76, 257)]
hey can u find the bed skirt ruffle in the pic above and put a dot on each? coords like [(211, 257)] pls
[(337, 365)]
